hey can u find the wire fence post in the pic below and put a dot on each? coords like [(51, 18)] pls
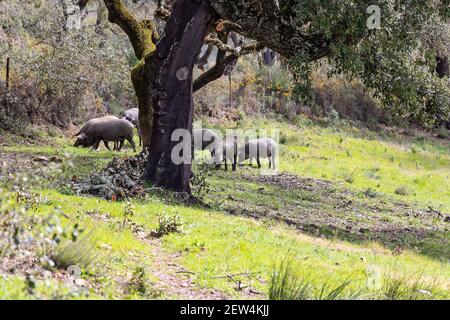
[(7, 71)]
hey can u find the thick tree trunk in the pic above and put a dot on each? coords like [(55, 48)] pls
[(141, 85), (169, 73)]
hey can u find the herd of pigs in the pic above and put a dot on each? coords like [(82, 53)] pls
[(118, 129)]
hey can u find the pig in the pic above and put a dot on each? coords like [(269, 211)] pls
[(258, 149), (132, 115), (229, 152), (108, 128), (207, 137), (82, 141)]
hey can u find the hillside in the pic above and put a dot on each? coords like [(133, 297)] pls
[(358, 230)]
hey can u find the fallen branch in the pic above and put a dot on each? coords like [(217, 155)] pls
[(247, 274)]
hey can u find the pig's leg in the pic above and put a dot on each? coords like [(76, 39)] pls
[(96, 145), (130, 140), (234, 156), (106, 145)]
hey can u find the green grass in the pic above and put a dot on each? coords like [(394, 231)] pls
[(214, 245), (416, 166), (18, 288), (325, 210), (225, 248)]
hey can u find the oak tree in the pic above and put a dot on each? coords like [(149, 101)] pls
[(376, 41)]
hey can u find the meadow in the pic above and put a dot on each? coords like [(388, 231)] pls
[(354, 214)]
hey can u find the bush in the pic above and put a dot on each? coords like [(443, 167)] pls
[(201, 173), (140, 284), (13, 113), (168, 223), (402, 191), (58, 76)]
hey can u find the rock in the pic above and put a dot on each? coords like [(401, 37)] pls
[(81, 282), (426, 292), (105, 246)]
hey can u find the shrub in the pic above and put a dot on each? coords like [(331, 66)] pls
[(168, 223), (201, 173), (58, 76), (140, 284), (128, 213), (402, 191), (442, 132), (13, 114)]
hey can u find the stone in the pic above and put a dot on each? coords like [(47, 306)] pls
[(81, 282)]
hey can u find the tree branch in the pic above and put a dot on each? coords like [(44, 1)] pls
[(222, 62), (162, 10), (141, 34)]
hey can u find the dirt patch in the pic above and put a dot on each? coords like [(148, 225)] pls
[(291, 182), (12, 162)]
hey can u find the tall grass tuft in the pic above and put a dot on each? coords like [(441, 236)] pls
[(81, 252), (403, 288), (285, 284)]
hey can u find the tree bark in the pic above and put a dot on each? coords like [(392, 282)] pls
[(169, 71), (141, 85)]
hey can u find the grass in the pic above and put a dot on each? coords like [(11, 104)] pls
[(323, 209), (364, 159), (215, 244), (284, 285), (82, 252), (226, 248)]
